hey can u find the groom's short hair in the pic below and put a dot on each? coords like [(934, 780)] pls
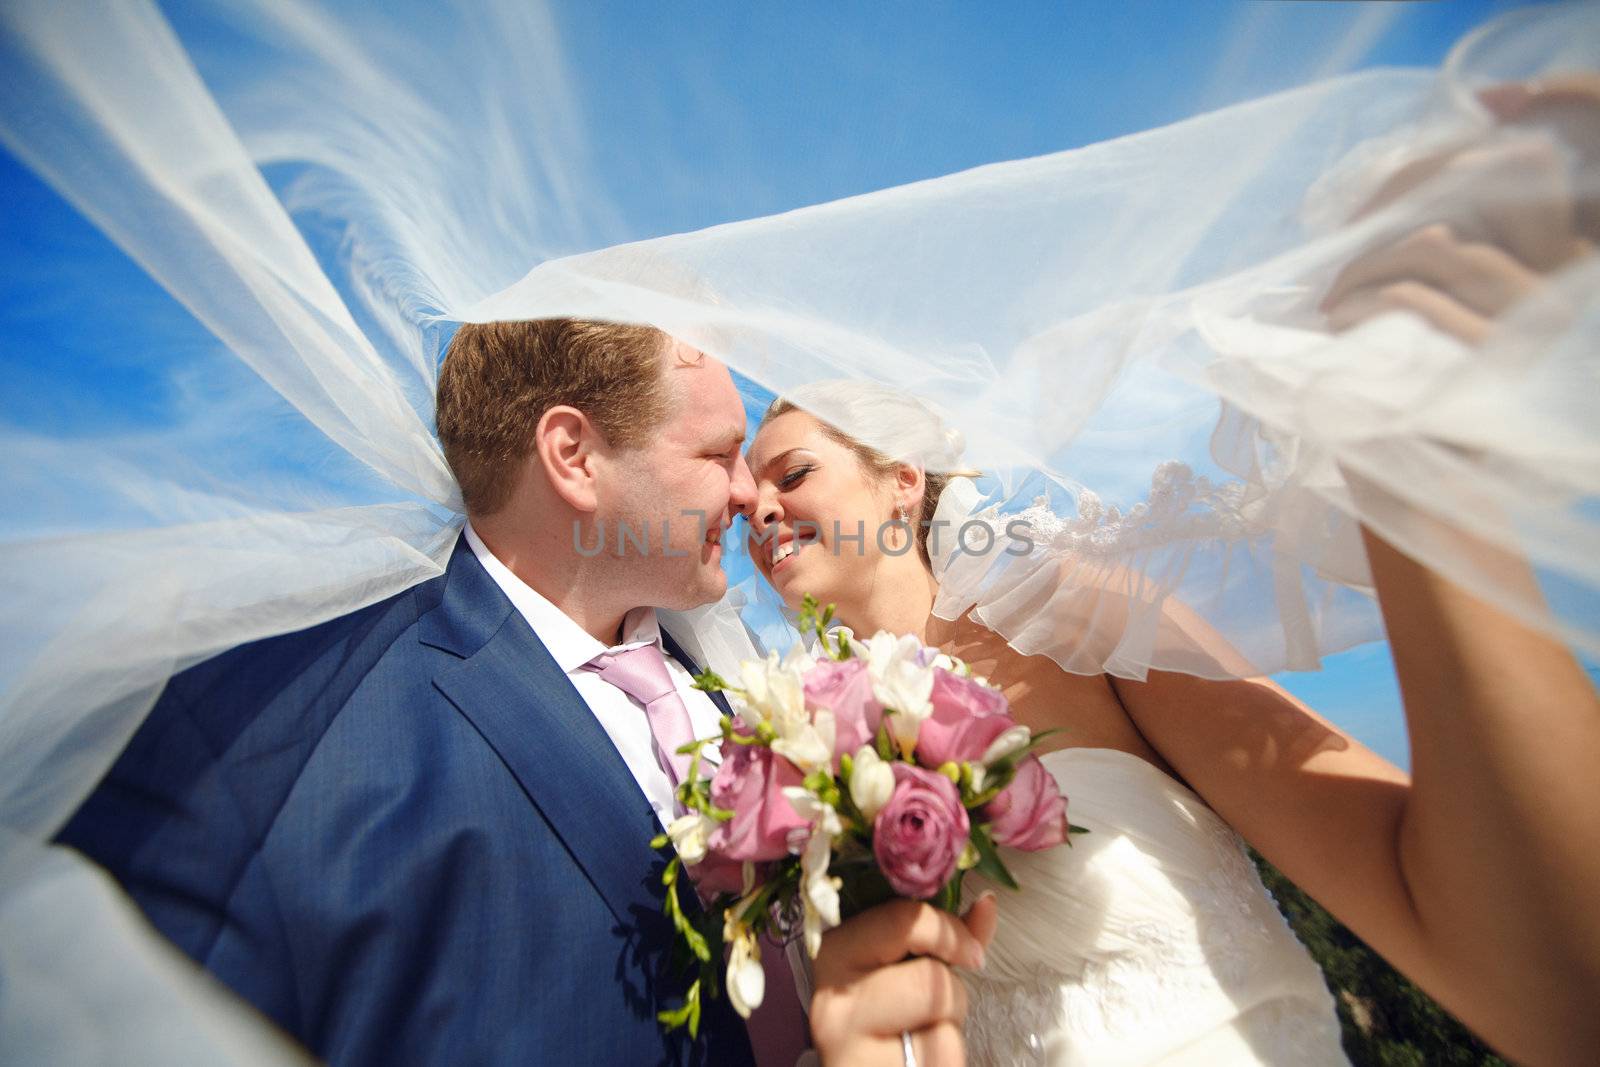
[(499, 378)]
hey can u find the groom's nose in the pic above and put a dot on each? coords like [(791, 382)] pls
[(765, 513), (742, 490)]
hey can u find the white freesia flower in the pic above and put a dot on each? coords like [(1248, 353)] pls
[(799, 659), (747, 982), (871, 782), (689, 834), (808, 743), (774, 691), (952, 664), (818, 892), (1009, 743), (901, 682)]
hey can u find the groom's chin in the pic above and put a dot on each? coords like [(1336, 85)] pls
[(713, 586), (706, 585)]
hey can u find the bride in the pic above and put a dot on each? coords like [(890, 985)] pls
[(1152, 940)]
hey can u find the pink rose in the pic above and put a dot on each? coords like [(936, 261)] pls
[(717, 874), (1030, 813), (919, 834), (750, 783), (966, 719), (846, 690)]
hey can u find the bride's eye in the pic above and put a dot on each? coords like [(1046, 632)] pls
[(793, 478)]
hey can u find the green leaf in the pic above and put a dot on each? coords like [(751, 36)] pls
[(808, 614), (757, 908), (884, 743), (990, 865), (1026, 751), (710, 681), (686, 1014), (694, 1011), (691, 937), (948, 899)]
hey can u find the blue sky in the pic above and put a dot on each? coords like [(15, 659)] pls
[(694, 115), (813, 108), (815, 102)]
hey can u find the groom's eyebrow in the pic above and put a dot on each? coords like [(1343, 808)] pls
[(731, 439)]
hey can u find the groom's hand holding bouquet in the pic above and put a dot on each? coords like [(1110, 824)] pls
[(852, 775)]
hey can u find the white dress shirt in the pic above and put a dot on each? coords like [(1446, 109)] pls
[(622, 717)]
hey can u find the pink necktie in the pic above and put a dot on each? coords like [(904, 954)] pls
[(642, 674), (778, 1028)]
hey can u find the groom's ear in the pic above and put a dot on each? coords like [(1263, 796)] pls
[(564, 445)]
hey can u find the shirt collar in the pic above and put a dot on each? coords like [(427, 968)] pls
[(569, 644)]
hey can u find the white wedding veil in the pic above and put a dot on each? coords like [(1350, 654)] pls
[(1125, 336)]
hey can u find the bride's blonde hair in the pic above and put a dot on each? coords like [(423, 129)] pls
[(891, 428)]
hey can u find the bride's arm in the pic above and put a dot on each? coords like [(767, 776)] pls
[(1478, 878)]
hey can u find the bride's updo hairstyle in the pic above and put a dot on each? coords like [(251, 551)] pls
[(893, 428)]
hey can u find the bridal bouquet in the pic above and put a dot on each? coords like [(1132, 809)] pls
[(851, 774)]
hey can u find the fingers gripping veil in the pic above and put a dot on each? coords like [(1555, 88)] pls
[(1153, 349)]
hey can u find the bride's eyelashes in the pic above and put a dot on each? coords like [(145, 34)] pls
[(794, 477)]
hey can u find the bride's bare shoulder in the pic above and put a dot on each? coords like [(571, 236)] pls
[(1043, 696)]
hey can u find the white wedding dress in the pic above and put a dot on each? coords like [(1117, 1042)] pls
[(1151, 940)]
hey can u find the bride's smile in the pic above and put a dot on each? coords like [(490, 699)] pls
[(829, 524)]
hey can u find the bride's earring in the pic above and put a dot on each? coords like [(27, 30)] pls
[(905, 524)]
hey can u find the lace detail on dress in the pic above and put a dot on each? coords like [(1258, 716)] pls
[(1161, 944), (1009, 1022), (1124, 994), (1231, 895), (1182, 506)]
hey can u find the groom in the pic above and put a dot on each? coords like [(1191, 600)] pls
[(419, 833)]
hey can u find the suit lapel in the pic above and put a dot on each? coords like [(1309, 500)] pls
[(523, 705)]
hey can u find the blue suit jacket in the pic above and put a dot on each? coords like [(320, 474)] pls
[(404, 837)]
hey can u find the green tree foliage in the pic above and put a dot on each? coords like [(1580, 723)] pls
[(1387, 1021)]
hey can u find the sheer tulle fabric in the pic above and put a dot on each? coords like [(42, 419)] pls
[(1125, 335)]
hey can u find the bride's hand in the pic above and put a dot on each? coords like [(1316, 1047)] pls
[(1528, 219), (888, 970)]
